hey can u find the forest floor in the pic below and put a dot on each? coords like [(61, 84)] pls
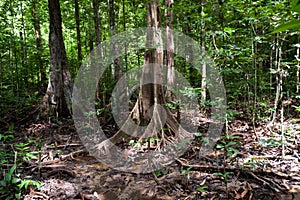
[(255, 170)]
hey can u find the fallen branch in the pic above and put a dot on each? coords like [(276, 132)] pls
[(268, 172)]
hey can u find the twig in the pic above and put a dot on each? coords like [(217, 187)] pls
[(263, 181), (155, 178), (63, 146), (65, 171), (217, 168), (38, 194), (70, 155)]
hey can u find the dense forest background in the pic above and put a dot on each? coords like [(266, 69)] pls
[(256, 66), (260, 69)]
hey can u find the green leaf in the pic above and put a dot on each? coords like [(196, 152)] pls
[(15, 180), (292, 25), (234, 150), (197, 134), (202, 189), (218, 174), (18, 195), (231, 143), (3, 183), (295, 4)]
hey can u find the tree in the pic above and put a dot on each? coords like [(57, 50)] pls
[(203, 82), (169, 53), (77, 19), (59, 90), (117, 70), (152, 95), (39, 47)]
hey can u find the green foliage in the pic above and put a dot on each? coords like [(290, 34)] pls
[(202, 188), (191, 92), (186, 172), (161, 172), (173, 104), (11, 183), (11, 186), (292, 25), (297, 108), (224, 175), (272, 142), (227, 144)]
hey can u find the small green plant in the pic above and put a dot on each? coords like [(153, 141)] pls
[(161, 172), (135, 143), (254, 163), (8, 186), (224, 176), (191, 92), (297, 108), (227, 145), (11, 186), (271, 142), (202, 188), (186, 172), (11, 183), (173, 105)]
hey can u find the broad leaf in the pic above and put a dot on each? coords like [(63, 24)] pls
[(296, 6), (292, 25)]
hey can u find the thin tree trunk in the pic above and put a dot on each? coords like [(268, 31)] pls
[(271, 64), (298, 69), (117, 69), (124, 29), (169, 53), (203, 81), (24, 50), (59, 89), (90, 32), (279, 77), (13, 54), (77, 19), (97, 21), (38, 41)]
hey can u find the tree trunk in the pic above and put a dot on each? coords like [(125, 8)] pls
[(97, 21), (151, 93), (58, 93), (298, 69), (203, 80), (169, 54), (117, 69), (279, 79), (39, 48), (77, 19), (24, 50)]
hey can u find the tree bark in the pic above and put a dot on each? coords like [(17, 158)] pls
[(117, 69), (150, 117), (59, 89), (97, 21), (77, 19), (203, 81), (39, 48), (151, 91), (169, 54)]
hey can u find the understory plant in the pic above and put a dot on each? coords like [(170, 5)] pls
[(13, 155)]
